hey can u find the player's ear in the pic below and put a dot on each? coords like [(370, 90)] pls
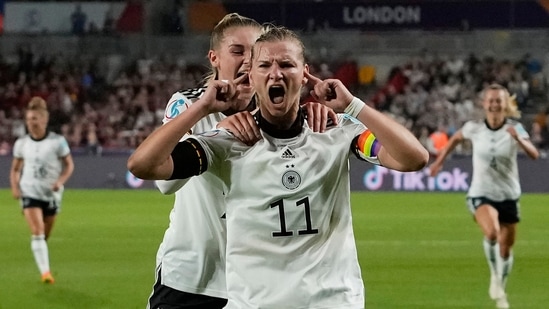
[(305, 79), (214, 60)]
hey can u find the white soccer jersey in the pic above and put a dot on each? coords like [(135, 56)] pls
[(192, 253), (42, 165), (290, 240), (495, 171)]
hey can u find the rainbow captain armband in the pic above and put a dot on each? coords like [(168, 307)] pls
[(367, 146)]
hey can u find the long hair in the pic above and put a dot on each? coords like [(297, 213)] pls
[(230, 20)]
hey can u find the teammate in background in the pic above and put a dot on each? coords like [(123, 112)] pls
[(289, 230), (42, 164), (191, 258), (493, 196)]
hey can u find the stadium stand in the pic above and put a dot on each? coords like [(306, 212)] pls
[(107, 91)]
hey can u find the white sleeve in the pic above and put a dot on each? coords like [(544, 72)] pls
[(177, 104), (521, 131), (170, 186), (467, 129)]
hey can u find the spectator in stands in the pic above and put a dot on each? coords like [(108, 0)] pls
[(493, 197), (439, 139), (109, 23), (539, 136), (425, 140), (78, 20), (347, 71)]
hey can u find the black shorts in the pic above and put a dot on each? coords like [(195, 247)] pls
[(508, 210), (49, 208), (164, 297)]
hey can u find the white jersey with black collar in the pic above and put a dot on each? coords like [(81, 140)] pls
[(42, 165), (290, 240), (495, 170), (192, 252)]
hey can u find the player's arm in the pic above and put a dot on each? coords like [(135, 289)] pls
[(15, 176), (524, 142), (153, 158), (399, 149), (455, 140), (170, 186), (178, 104), (66, 172)]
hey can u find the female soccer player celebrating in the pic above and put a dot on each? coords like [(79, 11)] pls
[(289, 230), (493, 197)]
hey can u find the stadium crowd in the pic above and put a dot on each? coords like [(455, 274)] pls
[(99, 109)]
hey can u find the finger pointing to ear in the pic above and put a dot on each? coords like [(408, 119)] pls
[(312, 79)]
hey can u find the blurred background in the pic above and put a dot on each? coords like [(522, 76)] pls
[(108, 68)]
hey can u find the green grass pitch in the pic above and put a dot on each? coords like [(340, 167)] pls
[(417, 250)]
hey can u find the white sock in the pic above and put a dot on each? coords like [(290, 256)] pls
[(504, 267), (490, 250), (40, 251)]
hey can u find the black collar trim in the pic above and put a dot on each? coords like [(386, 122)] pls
[(270, 129), (494, 129), (40, 139)]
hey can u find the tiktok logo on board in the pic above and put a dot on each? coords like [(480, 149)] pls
[(383, 178)]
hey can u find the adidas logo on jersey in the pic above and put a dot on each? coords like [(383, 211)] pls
[(287, 154)]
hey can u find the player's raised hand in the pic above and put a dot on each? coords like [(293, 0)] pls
[(331, 92), (221, 95)]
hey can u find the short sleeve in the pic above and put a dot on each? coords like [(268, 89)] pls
[(522, 133), (177, 104), (467, 130), (64, 148), (18, 149)]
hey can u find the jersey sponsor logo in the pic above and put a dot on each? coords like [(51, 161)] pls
[(291, 179), (287, 154)]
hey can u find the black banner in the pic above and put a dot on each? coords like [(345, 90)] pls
[(398, 15)]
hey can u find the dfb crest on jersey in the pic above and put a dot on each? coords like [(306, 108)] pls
[(291, 179)]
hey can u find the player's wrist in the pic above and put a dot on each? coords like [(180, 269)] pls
[(354, 107)]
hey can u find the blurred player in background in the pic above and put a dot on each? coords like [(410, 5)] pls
[(42, 164), (191, 258), (493, 196), (290, 241)]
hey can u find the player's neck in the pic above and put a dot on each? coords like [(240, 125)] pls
[(39, 134), (495, 122)]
